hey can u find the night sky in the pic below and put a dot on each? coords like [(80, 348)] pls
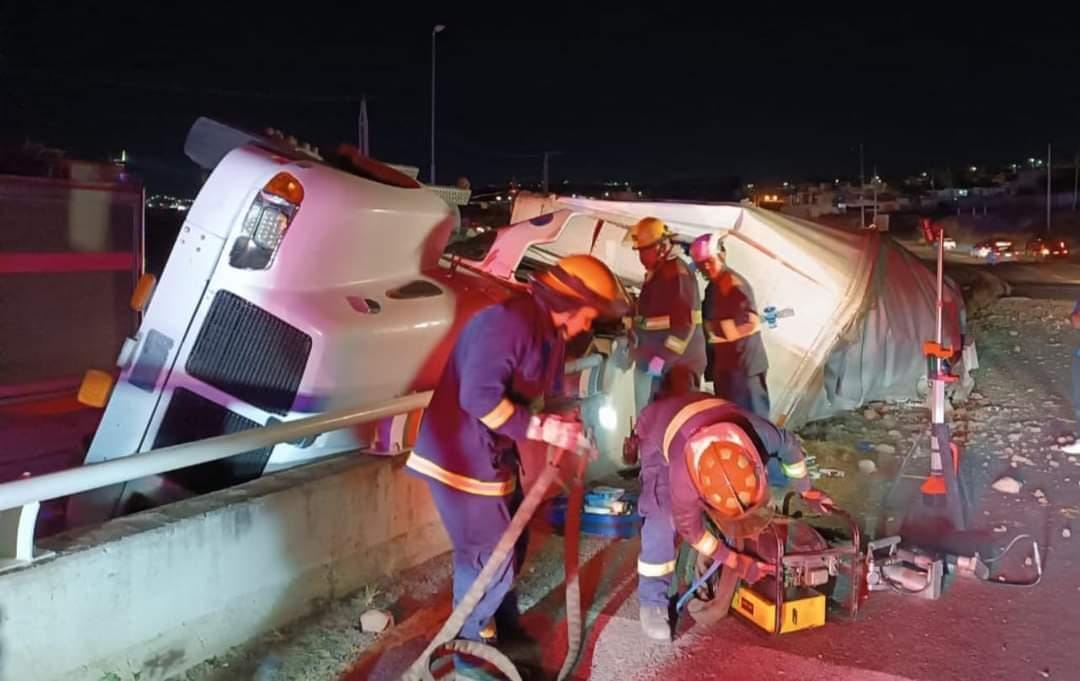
[(639, 95)]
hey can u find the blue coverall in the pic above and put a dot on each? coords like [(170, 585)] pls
[(666, 326), (670, 504), (506, 358), (737, 368)]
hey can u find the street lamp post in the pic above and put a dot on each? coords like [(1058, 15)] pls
[(438, 28)]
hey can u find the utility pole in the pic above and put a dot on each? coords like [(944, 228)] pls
[(546, 155), (1049, 176), (862, 187), (1076, 177), (362, 124), (875, 181), (438, 28)]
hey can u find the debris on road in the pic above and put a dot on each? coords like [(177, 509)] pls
[(1066, 533), (831, 473), (376, 621), (1007, 485)]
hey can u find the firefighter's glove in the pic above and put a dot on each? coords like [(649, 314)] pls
[(620, 354), (656, 366), (749, 569), (818, 501), (559, 431)]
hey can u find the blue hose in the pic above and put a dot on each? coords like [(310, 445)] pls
[(685, 598)]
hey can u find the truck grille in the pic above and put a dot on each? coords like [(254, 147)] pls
[(250, 354), (192, 417)]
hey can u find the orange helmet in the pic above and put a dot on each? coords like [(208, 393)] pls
[(727, 470), (587, 280), (648, 232)]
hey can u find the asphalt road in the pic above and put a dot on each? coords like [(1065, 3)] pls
[(1045, 280)]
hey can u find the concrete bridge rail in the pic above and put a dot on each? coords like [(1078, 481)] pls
[(160, 591), (152, 594)]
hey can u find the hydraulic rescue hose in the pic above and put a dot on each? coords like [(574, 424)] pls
[(420, 670)]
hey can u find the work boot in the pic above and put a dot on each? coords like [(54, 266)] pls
[(654, 622)]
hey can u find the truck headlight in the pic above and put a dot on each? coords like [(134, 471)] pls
[(607, 416), (266, 222)]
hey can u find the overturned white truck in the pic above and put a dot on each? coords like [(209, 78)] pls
[(853, 307), (299, 285)]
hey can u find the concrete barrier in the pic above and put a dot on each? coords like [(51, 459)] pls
[(153, 594)]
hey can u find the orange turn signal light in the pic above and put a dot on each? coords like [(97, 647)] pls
[(140, 297), (285, 186), (95, 389)]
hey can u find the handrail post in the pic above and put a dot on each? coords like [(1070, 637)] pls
[(17, 535)]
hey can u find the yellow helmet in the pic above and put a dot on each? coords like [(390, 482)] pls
[(587, 279), (648, 232)]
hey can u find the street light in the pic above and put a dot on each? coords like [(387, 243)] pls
[(438, 28)]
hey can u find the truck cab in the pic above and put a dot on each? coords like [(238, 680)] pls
[(297, 284)]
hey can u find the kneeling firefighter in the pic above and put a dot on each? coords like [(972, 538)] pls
[(700, 456), (508, 356)]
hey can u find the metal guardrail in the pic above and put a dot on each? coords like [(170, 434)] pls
[(20, 500)]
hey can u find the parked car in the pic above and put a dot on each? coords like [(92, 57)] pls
[(1002, 247), (1041, 247)]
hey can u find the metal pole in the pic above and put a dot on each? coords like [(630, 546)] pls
[(438, 28), (1049, 180), (93, 476), (862, 187), (875, 181), (546, 154), (364, 142), (1076, 177), (940, 283)]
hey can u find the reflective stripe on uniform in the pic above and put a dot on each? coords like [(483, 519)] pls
[(502, 412), (656, 323), (695, 317), (459, 482), (685, 414), (676, 344), (655, 569), (795, 471), (707, 545)]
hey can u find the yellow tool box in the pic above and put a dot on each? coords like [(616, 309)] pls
[(802, 608)]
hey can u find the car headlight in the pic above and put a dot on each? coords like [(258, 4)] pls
[(266, 222)]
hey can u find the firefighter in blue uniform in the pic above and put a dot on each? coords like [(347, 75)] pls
[(668, 314), (737, 359), (506, 359), (700, 454)]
